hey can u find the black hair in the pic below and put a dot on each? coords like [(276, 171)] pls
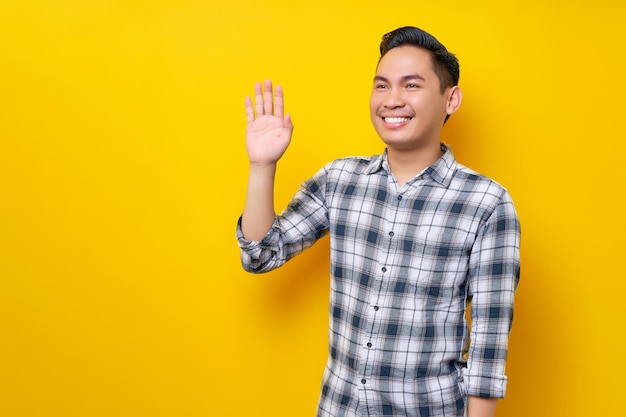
[(446, 64)]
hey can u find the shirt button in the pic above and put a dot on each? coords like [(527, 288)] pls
[(391, 234), (384, 269), (376, 308), (369, 344), (399, 197), (363, 381)]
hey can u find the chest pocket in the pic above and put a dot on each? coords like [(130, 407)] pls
[(435, 241)]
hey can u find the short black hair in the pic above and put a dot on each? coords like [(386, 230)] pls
[(446, 64)]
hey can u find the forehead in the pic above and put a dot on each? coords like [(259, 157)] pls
[(404, 60)]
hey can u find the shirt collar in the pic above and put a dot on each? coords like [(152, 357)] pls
[(376, 163), (440, 171), (443, 169)]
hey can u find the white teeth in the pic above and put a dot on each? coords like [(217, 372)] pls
[(397, 119)]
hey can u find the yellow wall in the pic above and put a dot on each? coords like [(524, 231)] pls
[(123, 170)]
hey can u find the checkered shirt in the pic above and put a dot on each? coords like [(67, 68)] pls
[(405, 264)]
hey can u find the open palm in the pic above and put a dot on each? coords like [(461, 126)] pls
[(268, 132)]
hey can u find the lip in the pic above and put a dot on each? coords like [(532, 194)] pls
[(396, 121)]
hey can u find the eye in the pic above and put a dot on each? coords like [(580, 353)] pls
[(380, 86), (412, 85)]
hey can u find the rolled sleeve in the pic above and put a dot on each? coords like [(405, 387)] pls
[(494, 276), (258, 256), (299, 226)]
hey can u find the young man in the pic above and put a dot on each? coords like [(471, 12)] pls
[(415, 239)]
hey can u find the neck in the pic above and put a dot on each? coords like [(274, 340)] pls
[(405, 164)]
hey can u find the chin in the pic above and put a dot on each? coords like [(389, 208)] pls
[(398, 145), (397, 140)]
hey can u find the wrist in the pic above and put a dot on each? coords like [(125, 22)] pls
[(263, 164), (262, 169)]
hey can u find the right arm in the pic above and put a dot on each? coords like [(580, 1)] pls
[(266, 240), (268, 134)]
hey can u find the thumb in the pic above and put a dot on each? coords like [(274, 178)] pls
[(288, 123)]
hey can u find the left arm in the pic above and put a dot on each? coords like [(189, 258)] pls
[(493, 277), (481, 407)]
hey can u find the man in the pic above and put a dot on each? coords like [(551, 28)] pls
[(415, 238)]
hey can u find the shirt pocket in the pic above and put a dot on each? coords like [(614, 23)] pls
[(438, 260), (437, 241)]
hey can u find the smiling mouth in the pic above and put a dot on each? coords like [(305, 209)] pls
[(396, 119)]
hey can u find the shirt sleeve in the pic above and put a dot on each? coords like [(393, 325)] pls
[(299, 226), (494, 272)]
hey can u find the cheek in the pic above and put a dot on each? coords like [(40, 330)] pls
[(427, 106)]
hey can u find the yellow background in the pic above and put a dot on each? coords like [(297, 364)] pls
[(123, 171)]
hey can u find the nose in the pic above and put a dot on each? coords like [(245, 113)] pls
[(393, 99)]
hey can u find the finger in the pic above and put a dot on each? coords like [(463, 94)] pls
[(279, 103), (258, 99), (267, 98), (249, 110)]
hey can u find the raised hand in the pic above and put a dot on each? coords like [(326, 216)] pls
[(268, 131)]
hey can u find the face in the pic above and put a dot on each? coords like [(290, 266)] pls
[(407, 106)]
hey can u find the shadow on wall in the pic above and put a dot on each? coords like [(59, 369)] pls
[(538, 351), (464, 133)]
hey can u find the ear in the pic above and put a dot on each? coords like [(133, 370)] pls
[(455, 96)]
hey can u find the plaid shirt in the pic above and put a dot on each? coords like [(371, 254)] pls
[(405, 261)]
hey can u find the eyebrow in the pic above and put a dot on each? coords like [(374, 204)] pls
[(402, 79)]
